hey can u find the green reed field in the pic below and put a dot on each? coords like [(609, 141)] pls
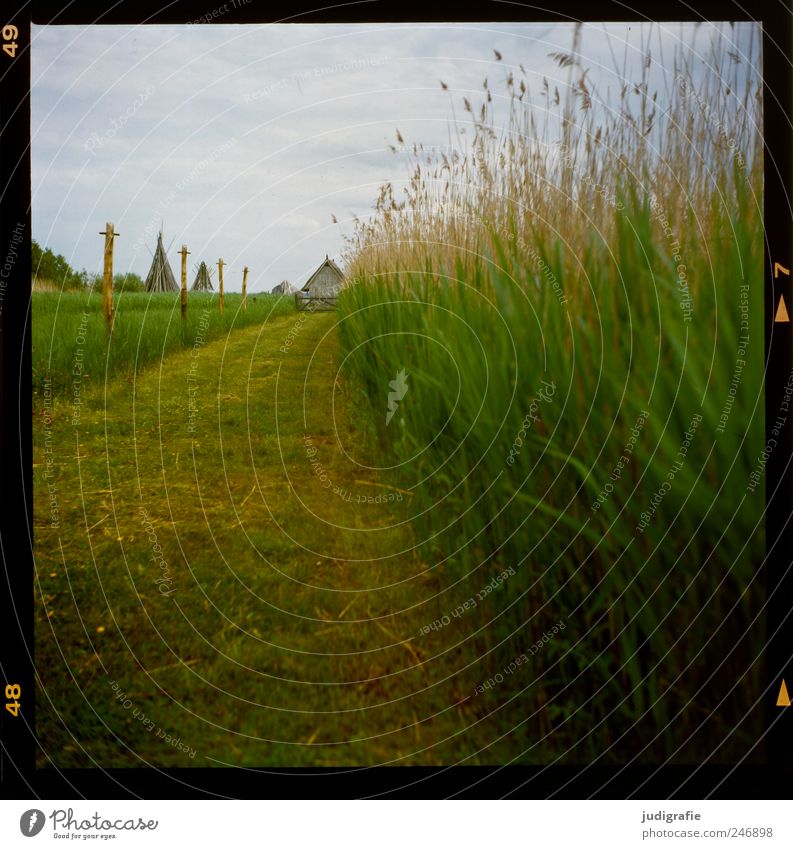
[(573, 570), (69, 331), (577, 300)]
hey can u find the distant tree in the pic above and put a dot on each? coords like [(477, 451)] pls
[(82, 278), (35, 257), (94, 280), (45, 265), (128, 282)]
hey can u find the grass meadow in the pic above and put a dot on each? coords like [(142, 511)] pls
[(577, 300), (203, 600), (69, 330), (496, 508)]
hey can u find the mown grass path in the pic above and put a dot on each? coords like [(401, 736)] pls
[(207, 598)]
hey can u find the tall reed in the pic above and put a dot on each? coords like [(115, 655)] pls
[(576, 297)]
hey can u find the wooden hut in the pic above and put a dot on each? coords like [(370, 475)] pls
[(321, 290), (203, 280), (160, 277)]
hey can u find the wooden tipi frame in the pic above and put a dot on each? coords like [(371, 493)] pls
[(160, 277)]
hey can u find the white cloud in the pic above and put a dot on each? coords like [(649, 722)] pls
[(251, 137)]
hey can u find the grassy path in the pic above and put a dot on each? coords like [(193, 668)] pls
[(216, 589)]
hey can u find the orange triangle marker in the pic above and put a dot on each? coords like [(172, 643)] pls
[(783, 699), (781, 311)]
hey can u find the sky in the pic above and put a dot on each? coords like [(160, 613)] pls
[(242, 141)]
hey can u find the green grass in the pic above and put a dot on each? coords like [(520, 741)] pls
[(290, 634), (641, 606), (147, 327), (663, 611), (308, 629)]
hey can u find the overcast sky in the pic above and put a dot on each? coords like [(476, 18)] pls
[(245, 140)]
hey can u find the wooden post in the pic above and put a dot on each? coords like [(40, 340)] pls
[(244, 287), (220, 275), (107, 282), (184, 253)]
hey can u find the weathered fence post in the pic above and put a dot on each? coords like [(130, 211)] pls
[(220, 275), (244, 287), (184, 253), (107, 281)]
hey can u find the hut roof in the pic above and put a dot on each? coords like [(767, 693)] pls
[(160, 277), (330, 264), (203, 279)]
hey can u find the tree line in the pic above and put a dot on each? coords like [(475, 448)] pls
[(50, 268)]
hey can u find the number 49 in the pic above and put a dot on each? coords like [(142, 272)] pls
[(10, 33), (13, 691)]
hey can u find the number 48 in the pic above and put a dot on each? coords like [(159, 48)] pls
[(10, 33), (13, 691)]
